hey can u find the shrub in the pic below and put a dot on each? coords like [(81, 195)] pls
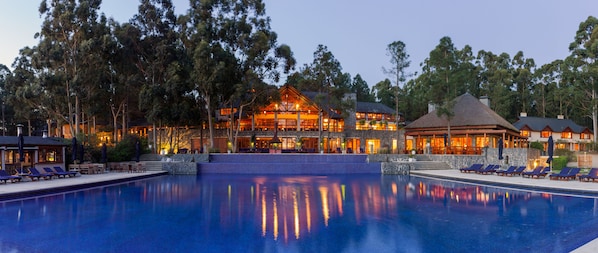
[(559, 163), (537, 145)]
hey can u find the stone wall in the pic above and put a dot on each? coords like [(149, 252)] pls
[(180, 168), (397, 168), (516, 156)]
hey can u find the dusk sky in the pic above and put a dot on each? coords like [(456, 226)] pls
[(357, 32)]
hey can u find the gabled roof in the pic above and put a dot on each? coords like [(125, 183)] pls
[(29, 141), (556, 125), (468, 112)]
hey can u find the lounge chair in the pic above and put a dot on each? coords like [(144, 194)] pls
[(491, 168), (571, 175), (592, 175), (68, 173), (4, 176), (508, 170), (35, 174), (563, 172), (538, 172), (55, 173), (473, 168)]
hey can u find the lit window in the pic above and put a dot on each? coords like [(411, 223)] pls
[(545, 134), (566, 135), (525, 133)]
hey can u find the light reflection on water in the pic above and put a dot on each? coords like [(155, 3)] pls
[(356, 213)]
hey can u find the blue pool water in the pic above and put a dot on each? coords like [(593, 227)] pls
[(354, 213)]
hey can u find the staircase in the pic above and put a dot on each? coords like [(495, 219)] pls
[(305, 164)]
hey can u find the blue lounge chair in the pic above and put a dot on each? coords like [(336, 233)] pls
[(35, 174), (538, 172), (473, 168), (68, 173), (504, 172), (592, 175), (563, 172), (4, 176), (571, 175), (55, 173), (491, 168), (516, 172)]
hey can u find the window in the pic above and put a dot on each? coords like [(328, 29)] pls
[(545, 134), (566, 135), (584, 136), (525, 133)]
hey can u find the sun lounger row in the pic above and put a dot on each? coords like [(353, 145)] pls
[(35, 174)]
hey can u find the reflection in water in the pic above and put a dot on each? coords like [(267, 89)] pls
[(301, 214)]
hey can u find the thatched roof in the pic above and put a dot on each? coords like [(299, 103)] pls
[(469, 112)]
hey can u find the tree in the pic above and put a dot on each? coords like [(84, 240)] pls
[(69, 38), (584, 53), (400, 61), (361, 89), (523, 79), (233, 51)]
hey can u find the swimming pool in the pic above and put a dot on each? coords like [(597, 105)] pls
[(340, 213)]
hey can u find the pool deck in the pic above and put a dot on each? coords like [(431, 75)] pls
[(29, 189)]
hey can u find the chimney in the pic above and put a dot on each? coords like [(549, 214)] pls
[(523, 114), (485, 100), (560, 116)]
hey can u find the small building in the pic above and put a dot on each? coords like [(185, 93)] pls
[(565, 133), (473, 126), (37, 151)]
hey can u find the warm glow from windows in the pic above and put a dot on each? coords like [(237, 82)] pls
[(525, 133), (545, 134), (566, 135)]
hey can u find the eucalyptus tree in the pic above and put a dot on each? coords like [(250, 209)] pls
[(523, 78), (22, 90), (496, 81), (400, 62), (549, 77), (233, 52), (584, 54), (438, 74), (163, 67), (68, 41), (383, 92)]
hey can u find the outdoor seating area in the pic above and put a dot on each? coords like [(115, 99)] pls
[(129, 167), (88, 168), (565, 174)]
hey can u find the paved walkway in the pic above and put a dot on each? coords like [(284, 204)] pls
[(573, 187), (28, 188), (587, 189)]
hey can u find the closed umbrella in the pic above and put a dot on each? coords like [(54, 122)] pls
[(82, 152), (21, 147), (104, 154), (550, 149), (500, 147), (74, 149), (137, 151)]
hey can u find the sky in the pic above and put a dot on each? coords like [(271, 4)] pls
[(357, 32)]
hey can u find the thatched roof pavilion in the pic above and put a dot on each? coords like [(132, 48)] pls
[(473, 126)]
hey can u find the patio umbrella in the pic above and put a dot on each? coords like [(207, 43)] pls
[(137, 151), (74, 149), (20, 145), (104, 154), (500, 147), (82, 152), (550, 149)]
